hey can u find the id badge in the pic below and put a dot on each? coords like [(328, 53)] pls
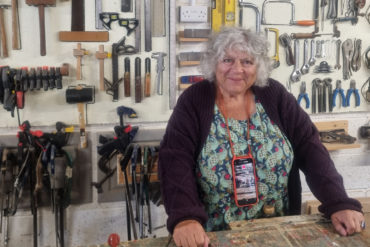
[(245, 181)]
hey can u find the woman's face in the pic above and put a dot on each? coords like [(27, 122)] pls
[(235, 72)]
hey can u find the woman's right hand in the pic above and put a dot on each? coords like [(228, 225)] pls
[(190, 233)]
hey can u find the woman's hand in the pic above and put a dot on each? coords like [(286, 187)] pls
[(347, 222), (190, 233)]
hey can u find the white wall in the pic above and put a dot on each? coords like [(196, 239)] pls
[(92, 223)]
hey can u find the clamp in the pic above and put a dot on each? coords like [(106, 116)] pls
[(349, 93), (303, 95), (338, 89), (276, 55)]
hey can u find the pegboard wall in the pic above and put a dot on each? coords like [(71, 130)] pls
[(170, 19)]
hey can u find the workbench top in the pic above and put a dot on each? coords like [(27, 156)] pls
[(304, 230)]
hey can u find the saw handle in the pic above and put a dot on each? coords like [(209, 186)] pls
[(304, 23)]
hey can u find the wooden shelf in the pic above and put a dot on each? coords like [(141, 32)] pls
[(337, 146), (334, 125), (183, 39)]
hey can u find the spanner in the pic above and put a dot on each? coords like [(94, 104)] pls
[(296, 74), (305, 67), (318, 49), (337, 57), (312, 59)]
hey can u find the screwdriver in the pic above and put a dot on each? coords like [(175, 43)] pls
[(147, 77), (322, 5)]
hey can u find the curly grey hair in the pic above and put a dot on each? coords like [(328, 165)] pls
[(243, 40)]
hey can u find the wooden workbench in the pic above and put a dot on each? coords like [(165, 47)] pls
[(303, 231)]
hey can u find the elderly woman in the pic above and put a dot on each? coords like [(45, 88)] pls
[(240, 119)]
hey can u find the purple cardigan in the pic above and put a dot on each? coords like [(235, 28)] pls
[(188, 128)]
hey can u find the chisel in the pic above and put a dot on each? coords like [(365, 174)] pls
[(126, 77), (138, 80), (148, 25), (147, 77)]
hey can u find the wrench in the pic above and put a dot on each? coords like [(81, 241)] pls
[(337, 65), (305, 67), (332, 9), (312, 59), (318, 49), (296, 74), (323, 52), (347, 49)]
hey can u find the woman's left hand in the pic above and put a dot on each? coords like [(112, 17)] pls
[(347, 222)]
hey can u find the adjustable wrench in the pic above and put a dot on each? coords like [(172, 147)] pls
[(305, 67), (296, 74)]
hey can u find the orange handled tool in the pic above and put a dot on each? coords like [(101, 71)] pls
[(304, 23)]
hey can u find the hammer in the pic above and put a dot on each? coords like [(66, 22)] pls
[(4, 47), (41, 5), (81, 94)]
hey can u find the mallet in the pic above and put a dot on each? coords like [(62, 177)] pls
[(81, 95)]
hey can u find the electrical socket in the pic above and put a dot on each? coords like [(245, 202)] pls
[(194, 13)]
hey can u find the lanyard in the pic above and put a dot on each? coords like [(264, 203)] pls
[(224, 113)]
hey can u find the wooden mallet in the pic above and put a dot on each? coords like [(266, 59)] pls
[(41, 5)]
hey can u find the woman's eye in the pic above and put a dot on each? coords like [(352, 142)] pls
[(227, 60), (246, 62)]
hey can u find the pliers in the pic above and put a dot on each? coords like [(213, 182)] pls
[(352, 88), (338, 89), (303, 94)]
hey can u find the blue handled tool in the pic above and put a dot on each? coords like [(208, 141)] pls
[(352, 88), (303, 95), (338, 89)]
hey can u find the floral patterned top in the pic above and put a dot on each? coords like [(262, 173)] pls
[(273, 156)]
